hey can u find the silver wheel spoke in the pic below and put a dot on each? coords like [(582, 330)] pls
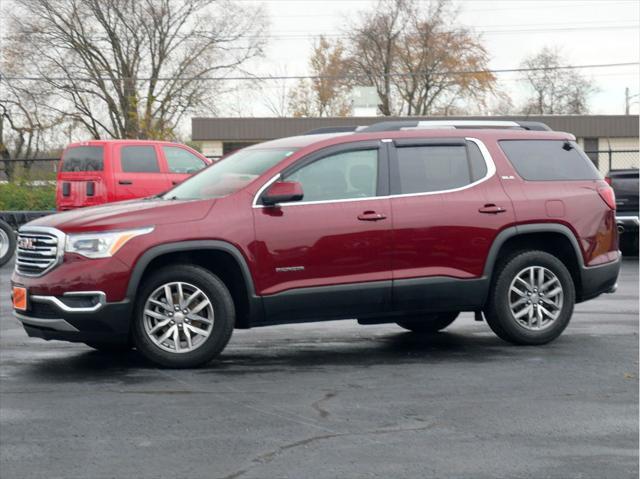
[(166, 334), (155, 314), (168, 295), (197, 317), (160, 325), (167, 315), (535, 308), (196, 330), (187, 335)]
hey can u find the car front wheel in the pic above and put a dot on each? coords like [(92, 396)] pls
[(184, 318), (532, 299)]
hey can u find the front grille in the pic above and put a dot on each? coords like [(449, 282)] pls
[(37, 252)]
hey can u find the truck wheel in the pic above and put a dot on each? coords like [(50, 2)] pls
[(531, 299), (7, 242), (184, 317), (428, 323)]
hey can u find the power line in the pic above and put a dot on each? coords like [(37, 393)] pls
[(317, 77)]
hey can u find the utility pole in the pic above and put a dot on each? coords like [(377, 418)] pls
[(626, 101)]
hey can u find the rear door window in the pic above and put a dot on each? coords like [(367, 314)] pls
[(83, 158), (139, 159), (182, 161), (548, 160), (432, 168)]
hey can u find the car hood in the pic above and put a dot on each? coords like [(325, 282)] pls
[(127, 214)]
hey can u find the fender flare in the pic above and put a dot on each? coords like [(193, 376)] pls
[(518, 230), (255, 303)]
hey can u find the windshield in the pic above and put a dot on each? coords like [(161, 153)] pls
[(228, 175)]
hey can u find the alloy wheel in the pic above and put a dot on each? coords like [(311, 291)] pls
[(178, 317), (535, 298)]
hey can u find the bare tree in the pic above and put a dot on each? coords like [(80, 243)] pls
[(555, 90), (134, 68), (418, 60), (447, 65), (374, 40), (327, 93)]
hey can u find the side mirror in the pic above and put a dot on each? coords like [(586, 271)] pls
[(282, 192)]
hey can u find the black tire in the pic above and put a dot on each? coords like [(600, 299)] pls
[(110, 347), (223, 324), (7, 235), (498, 312), (428, 323)]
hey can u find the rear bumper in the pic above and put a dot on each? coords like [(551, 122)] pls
[(599, 279), (49, 320)]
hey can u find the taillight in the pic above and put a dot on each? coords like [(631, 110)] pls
[(608, 196), (607, 179)]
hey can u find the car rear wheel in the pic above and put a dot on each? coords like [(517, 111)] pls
[(428, 323), (184, 318), (7, 242), (532, 299)]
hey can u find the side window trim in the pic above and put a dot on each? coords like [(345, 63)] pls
[(395, 173), (382, 188)]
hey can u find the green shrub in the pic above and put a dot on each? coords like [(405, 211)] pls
[(26, 196)]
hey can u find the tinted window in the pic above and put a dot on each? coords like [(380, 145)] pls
[(229, 174), (83, 158), (476, 162), (549, 160), (433, 168), (180, 160), (352, 174), (139, 159)]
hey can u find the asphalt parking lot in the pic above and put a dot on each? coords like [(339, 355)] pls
[(332, 400)]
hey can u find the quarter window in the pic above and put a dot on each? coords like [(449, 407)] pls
[(351, 174), (139, 159), (423, 169), (547, 160), (180, 160)]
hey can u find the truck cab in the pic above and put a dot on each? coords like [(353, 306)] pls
[(102, 171)]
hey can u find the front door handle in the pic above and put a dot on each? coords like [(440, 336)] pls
[(125, 182), (492, 209), (371, 216)]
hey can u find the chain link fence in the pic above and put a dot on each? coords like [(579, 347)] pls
[(34, 171), (607, 160)]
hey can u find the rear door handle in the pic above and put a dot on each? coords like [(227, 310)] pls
[(125, 182), (492, 209), (371, 216)]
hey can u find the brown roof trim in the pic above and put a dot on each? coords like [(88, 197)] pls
[(261, 129)]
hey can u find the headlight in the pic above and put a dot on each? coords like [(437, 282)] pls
[(101, 245)]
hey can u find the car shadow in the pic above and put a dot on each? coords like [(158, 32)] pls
[(287, 355)]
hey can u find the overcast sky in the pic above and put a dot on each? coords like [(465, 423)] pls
[(586, 31)]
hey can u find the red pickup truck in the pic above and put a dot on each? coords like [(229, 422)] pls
[(102, 171)]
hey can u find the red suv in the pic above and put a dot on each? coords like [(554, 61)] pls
[(101, 171), (409, 223)]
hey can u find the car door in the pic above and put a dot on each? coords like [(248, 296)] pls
[(138, 172), (181, 163), (447, 205), (328, 255)]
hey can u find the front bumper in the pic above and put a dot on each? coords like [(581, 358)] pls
[(629, 222), (599, 279), (76, 318)]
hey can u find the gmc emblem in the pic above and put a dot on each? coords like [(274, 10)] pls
[(26, 243)]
